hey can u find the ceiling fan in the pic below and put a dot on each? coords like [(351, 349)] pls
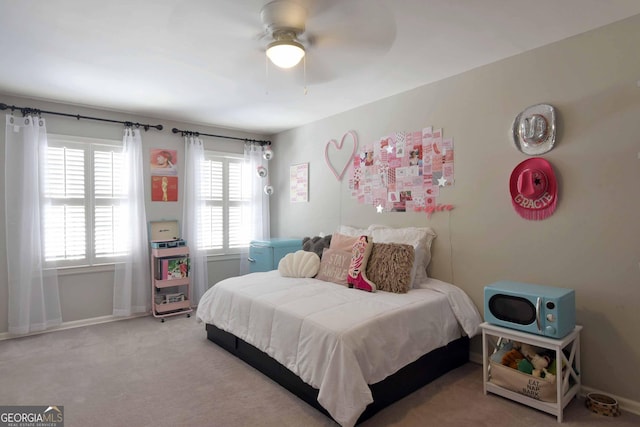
[(340, 36), (284, 22)]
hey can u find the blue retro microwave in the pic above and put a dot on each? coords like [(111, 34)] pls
[(536, 309)]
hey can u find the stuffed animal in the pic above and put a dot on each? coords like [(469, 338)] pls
[(528, 350), (316, 244), (539, 363), (511, 358), (525, 366)]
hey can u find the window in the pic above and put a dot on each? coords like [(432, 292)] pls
[(83, 187), (225, 190)]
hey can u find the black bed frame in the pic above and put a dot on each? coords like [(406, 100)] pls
[(393, 388)]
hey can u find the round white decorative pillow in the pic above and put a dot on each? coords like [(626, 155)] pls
[(299, 264)]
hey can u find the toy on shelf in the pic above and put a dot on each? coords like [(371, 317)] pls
[(530, 360)]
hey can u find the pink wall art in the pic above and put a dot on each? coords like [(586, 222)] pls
[(404, 172), (333, 157)]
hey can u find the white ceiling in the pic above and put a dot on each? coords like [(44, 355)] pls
[(203, 62)]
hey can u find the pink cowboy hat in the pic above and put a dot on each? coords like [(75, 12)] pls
[(534, 190)]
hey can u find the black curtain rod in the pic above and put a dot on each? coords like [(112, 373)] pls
[(189, 133), (27, 110)]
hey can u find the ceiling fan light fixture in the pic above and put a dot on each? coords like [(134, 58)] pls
[(285, 53)]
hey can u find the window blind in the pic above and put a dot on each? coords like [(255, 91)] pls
[(84, 187), (225, 194), (64, 219)]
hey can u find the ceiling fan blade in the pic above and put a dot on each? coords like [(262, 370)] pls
[(356, 22), (346, 37)]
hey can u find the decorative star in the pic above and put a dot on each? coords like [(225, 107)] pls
[(379, 208), (442, 181), (389, 149)]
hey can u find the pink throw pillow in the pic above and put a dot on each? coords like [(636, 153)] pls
[(334, 266), (342, 242), (357, 277)]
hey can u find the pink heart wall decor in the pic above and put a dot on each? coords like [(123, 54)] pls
[(339, 147)]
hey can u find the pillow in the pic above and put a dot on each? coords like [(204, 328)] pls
[(316, 244), (299, 264), (390, 266), (334, 266), (343, 242), (357, 277), (418, 237), (354, 231)]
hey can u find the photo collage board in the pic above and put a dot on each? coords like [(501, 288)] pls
[(403, 172)]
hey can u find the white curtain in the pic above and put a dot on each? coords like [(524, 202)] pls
[(132, 278), (258, 226), (34, 300), (192, 214)]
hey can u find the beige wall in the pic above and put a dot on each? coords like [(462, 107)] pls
[(87, 294), (590, 244)]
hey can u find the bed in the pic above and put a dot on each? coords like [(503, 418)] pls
[(347, 352)]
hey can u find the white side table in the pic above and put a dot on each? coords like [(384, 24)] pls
[(493, 335)]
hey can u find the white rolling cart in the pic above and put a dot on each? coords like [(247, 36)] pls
[(568, 382)]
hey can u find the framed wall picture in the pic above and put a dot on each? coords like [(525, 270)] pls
[(164, 188), (299, 183), (164, 161)]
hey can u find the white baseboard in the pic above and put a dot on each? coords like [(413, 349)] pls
[(74, 324), (625, 404)]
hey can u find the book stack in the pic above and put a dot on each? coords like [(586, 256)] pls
[(172, 268)]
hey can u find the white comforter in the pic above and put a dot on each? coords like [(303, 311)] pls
[(334, 338)]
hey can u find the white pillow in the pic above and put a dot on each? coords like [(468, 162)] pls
[(347, 230), (418, 237), (299, 264)]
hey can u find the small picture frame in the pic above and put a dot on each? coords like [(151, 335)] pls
[(299, 183)]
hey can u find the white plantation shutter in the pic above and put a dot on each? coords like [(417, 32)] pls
[(235, 227), (65, 233), (237, 205), (213, 227), (64, 216), (224, 191), (108, 174), (108, 191), (83, 189)]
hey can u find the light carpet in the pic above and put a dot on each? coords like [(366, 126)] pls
[(141, 372)]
